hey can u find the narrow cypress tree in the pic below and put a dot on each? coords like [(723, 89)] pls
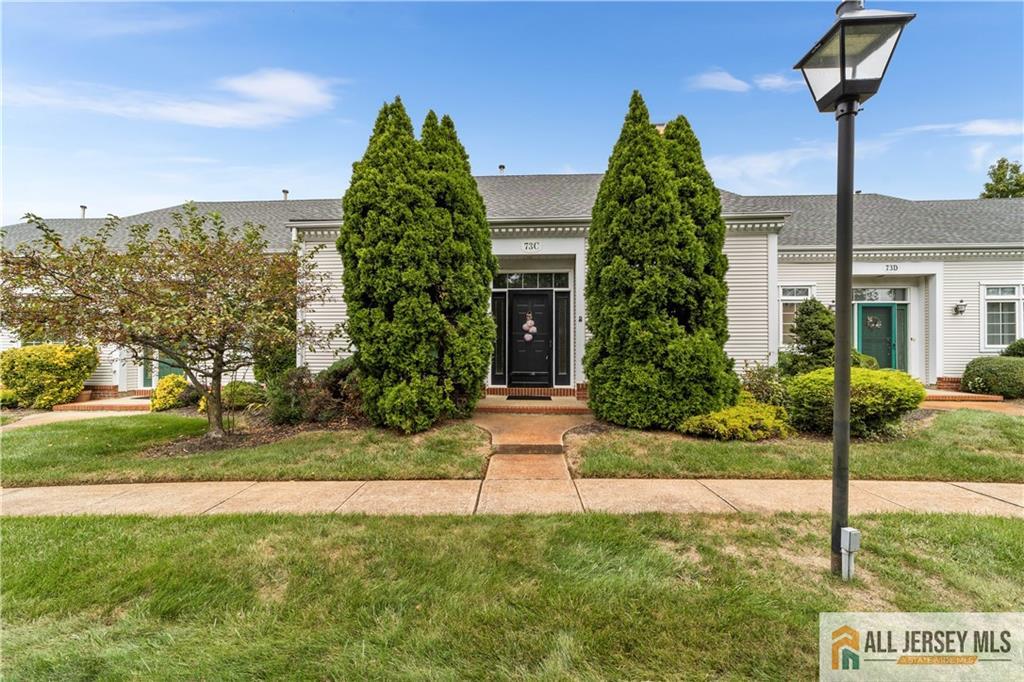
[(467, 266), (700, 202), (645, 368), (390, 248)]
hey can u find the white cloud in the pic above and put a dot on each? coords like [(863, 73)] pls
[(764, 172), (778, 82), (718, 79), (135, 25), (980, 154), (256, 100), (979, 127)]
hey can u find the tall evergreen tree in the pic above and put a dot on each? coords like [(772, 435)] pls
[(467, 266), (701, 203), (645, 368), (390, 248)]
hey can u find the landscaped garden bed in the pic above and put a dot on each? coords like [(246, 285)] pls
[(572, 596)]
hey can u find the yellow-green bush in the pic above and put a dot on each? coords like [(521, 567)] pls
[(8, 398), (48, 374), (878, 399), (168, 393), (747, 421)]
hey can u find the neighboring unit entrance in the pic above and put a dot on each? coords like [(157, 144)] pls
[(882, 333), (531, 338), (150, 377)]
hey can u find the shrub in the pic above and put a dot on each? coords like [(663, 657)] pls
[(296, 396), (168, 393), (267, 363), (191, 396), (48, 374), (858, 359), (417, 258), (997, 375), (7, 398), (793, 363), (749, 421), (1014, 350), (764, 383), (238, 395), (656, 355), (878, 399)]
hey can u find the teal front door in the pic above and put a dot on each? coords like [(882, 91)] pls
[(162, 367), (882, 333)]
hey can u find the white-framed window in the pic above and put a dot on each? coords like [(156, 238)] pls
[(1002, 314), (790, 296)]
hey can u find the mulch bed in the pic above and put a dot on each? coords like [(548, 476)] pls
[(255, 432)]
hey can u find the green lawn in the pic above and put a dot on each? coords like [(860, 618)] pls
[(965, 445), (571, 596), (107, 450)]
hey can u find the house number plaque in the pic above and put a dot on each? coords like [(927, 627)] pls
[(533, 247)]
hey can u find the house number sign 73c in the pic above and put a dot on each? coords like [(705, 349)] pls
[(532, 247), (892, 267)]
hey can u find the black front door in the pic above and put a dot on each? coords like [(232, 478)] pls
[(530, 338)]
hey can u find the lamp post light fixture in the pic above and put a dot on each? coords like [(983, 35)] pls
[(843, 70)]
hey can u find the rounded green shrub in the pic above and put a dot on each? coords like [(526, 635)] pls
[(749, 421), (296, 396), (878, 399), (1014, 350), (47, 374), (997, 375), (168, 393), (238, 395)]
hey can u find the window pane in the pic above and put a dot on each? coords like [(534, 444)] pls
[(788, 319), (562, 280), (529, 280), (794, 292), (880, 294), (1001, 291), (544, 280), (1001, 322), (500, 281), (515, 280)]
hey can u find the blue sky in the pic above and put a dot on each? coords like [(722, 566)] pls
[(129, 107)]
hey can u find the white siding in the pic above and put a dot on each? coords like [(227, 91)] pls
[(821, 275), (104, 374), (748, 297), (962, 333), (333, 311)]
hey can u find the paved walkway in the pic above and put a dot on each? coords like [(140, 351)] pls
[(54, 417), (511, 486)]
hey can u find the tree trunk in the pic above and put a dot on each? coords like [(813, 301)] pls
[(214, 407)]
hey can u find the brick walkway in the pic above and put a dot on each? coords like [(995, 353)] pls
[(512, 485)]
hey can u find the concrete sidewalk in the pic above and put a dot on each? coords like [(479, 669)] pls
[(515, 487)]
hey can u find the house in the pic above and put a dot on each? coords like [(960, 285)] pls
[(937, 283)]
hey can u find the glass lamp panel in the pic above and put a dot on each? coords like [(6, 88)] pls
[(822, 68), (868, 48)]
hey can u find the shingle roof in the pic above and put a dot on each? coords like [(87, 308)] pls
[(878, 219)]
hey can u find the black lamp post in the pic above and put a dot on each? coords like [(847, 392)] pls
[(842, 70)]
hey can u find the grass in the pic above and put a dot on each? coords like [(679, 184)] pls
[(965, 445), (108, 450), (571, 596)]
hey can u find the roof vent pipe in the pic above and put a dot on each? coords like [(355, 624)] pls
[(501, 169), (284, 193), (83, 207)]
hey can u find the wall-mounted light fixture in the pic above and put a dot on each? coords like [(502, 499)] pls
[(832, 305), (960, 308)]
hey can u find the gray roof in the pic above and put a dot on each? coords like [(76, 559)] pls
[(879, 220)]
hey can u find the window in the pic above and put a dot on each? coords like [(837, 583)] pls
[(531, 280), (1002, 319), (880, 295), (791, 297)]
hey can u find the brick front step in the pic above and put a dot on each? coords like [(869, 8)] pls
[(963, 397), (102, 406)]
